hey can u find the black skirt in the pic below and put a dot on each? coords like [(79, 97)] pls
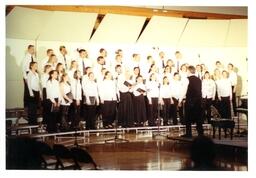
[(139, 108), (125, 110), (108, 112)]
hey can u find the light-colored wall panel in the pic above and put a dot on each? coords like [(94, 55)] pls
[(15, 52), (237, 35), (163, 31), (118, 29), (68, 27), (204, 33), (26, 23)]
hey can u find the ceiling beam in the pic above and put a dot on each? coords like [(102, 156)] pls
[(137, 11)]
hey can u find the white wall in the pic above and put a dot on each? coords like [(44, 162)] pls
[(15, 51)]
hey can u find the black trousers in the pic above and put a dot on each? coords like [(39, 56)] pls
[(234, 101), (44, 111), (64, 117), (193, 114), (139, 107), (26, 96), (206, 105), (108, 112), (51, 117), (125, 110), (225, 107), (166, 110), (174, 107), (74, 115), (32, 105), (181, 113), (91, 113), (153, 112)]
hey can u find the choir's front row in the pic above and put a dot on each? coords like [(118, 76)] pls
[(68, 98)]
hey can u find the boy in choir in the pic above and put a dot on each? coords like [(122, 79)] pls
[(208, 95), (219, 66), (233, 79), (135, 62), (66, 100), (125, 108), (108, 97), (170, 63), (177, 95), (161, 61), (224, 89), (83, 61), (146, 66), (33, 83), (139, 105), (29, 57), (53, 101), (103, 53), (44, 79), (165, 99), (76, 90), (199, 71), (44, 61), (90, 91), (98, 67), (178, 60), (152, 87), (63, 57)]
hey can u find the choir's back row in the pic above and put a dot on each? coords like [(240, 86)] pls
[(134, 93)]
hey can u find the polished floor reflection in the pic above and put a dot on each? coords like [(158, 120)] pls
[(143, 152)]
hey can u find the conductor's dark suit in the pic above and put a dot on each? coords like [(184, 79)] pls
[(193, 109)]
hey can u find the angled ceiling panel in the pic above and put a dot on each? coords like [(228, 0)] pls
[(163, 31), (237, 35), (118, 29), (26, 23), (69, 26), (205, 33)]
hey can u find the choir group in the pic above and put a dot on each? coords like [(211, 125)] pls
[(132, 92)]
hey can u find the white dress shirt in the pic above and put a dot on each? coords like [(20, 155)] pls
[(165, 91), (233, 78), (44, 79), (224, 88), (107, 90), (178, 90), (53, 90), (43, 63), (33, 82), (76, 89), (152, 90), (90, 89), (208, 88), (26, 62), (65, 60)]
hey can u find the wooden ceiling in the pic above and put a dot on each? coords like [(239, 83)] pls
[(137, 11)]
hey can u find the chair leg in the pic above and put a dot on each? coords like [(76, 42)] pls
[(219, 133), (213, 130), (225, 132)]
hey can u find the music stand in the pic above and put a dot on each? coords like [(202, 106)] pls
[(158, 120), (116, 139)]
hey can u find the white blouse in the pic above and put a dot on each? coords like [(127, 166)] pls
[(177, 90), (137, 86), (152, 89), (76, 89), (53, 90), (66, 90), (165, 91), (107, 90), (44, 79), (208, 88), (90, 89), (224, 88)]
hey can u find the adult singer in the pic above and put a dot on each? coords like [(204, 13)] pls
[(193, 110)]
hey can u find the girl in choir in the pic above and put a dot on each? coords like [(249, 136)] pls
[(53, 101), (33, 83), (168, 73), (125, 108), (183, 72), (76, 90), (90, 91), (44, 79), (177, 93), (170, 63), (108, 97), (52, 61), (165, 99), (224, 89), (216, 77), (66, 100), (73, 68), (136, 73), (208, 94), (152, 96), (61, 70), (139, 105), (199, 72)]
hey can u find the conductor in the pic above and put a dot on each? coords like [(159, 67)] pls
[(193, 109)]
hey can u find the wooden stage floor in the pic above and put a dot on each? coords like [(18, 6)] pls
[(144, 152)]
